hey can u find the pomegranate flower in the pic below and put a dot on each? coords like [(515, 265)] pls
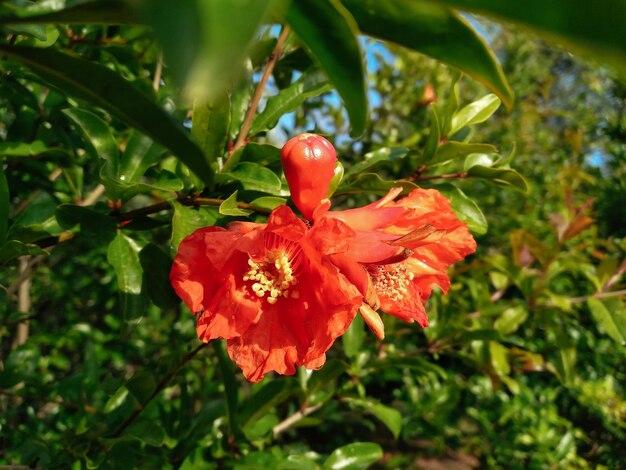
[(401, 252), (269, 289)]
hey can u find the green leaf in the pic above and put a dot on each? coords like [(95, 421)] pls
[(225, 30), (390, 417), (210, 126), (499, 358), (338, 174), (147, 431), (141, 153), (99, 138), (165, 181), (595, 28), (435, 31), (356, 456), (32, 149), (452, 150), (330, 32), (353, 338), (311, 83), (265, 397), (156, 265), (611, 320), (4, 204), (230, 386), (141, 386), (267, 203), (502, 176), (510, 320), (371, 159), (186, 220), (110, 91), (230, 207), (94, 12), (13, 249), (123, 255), (94, 225), (474, 113), (254, 177), (465, 209), (432, 141)]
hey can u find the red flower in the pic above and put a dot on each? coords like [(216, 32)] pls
[(401, 251), (269, 289)]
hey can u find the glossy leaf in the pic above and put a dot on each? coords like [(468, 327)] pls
[(611, 320), (465, 209), (371, 159), (310, 84), (110, 91), (390, 417), (435, 31), (141, 153), (502, 176), (186, 220), (328, 29), (13, 249), (596, 28), (353, 337), (4, 204), (94, 12), (499, 358), (156, 265), (210, 126), (230, 207), (474, 113), (226, 29), (510, 320), (254, 177), (452, 150), (98, 136), (356, 456), (264, 397), (123, 255), (432, 141), (267, 203), (96, 226)]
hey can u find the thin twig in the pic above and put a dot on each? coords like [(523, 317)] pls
[(91, 199), (615, 277), (599, 295), (159, 388), (293, 419), (258, 92), (24, 302), (447, 176), (156, 82)]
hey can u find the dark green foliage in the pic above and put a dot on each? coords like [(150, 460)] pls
[(523, 364)]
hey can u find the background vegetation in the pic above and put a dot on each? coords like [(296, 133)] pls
[(523, 365)]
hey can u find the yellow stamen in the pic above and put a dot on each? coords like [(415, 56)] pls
[(272, 276), (392, 280)]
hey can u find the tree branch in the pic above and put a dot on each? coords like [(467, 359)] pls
[(258, 92), (159, 388), (293, 419)]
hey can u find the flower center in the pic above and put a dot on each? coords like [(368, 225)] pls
[(391, 280), (273, 276)]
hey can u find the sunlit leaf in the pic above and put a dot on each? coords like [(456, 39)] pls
[(435, 31), (113, 93), (390, 417), (465, 209), (123, 255), (611, 320), (310, 84), (355, 456), (474, 113), (230, 207), (329, 31)]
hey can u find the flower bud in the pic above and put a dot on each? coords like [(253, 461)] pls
[(309, 164)]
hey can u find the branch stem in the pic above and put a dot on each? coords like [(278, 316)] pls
[(258, 92)]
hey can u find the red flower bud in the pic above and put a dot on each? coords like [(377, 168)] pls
[(309, 164)]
